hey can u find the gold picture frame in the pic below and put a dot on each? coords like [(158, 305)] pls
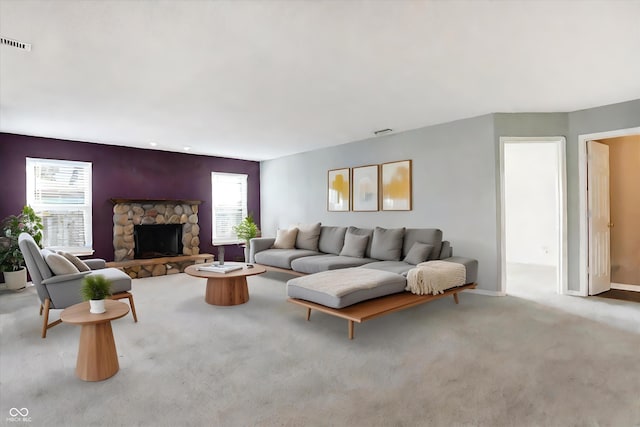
[(338, 190), (365, 183), (396, 186)]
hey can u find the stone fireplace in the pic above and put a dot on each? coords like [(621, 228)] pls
[(127, 213)]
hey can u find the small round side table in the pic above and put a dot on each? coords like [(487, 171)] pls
[(97, 356)]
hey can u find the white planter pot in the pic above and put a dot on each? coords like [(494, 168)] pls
[(16, 280), (246, 253), (97, 306)]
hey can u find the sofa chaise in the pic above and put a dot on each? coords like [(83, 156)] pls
[(351, 269)]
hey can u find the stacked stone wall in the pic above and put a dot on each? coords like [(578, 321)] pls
[(126, 215)]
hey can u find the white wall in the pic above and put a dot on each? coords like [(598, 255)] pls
[(531, 192)]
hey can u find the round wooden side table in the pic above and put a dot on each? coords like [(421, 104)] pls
[(97, 356)]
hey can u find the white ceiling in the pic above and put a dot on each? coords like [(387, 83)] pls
[(264, 79)]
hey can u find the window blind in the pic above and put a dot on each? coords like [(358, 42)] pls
[(229, 201), (60, 192)]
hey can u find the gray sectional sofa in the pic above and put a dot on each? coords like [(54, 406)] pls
[(318, 248)]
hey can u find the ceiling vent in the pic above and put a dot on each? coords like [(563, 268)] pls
[(382, 131), (15, 43)]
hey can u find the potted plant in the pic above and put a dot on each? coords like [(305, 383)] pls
[(246, 230), (95, 289), (11, 259)]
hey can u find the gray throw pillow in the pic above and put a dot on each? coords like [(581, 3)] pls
[(387, 244), (59, 264), (418, 253), (354, 245), (331, 239), (285, 239), (363, 232), (308, 235), (80, 265)]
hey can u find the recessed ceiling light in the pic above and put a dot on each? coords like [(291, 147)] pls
[(153, 144), (186, 148), (382, 131)]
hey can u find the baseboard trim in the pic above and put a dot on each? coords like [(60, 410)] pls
[(625, 287), (485, 292), (573, 293)]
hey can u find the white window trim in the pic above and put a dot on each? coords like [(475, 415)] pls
[(39, 207), (226, 240)]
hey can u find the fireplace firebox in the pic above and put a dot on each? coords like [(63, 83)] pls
[(157, 240)]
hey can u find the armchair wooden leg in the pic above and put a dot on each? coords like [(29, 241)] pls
[(133, 308), (45, 320), (47, 301), (129, 296)]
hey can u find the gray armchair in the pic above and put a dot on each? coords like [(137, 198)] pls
[(61, 291)]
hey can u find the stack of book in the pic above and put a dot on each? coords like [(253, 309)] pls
[(219, 268)]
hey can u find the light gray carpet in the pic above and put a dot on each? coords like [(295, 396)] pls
[(489, 361)]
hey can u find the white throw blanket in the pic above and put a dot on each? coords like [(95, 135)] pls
[(435, 277)]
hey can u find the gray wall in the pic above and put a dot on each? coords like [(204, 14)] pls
[(454, 174), (455, 179)]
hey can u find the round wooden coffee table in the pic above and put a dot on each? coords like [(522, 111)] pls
[(226, 288), (97, 356)]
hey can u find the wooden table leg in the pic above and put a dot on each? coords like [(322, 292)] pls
[(97, 356), (227, 291), (308, 314), (455, 297), (350, 329)]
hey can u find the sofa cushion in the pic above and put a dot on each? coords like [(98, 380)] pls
[(387, 243), (285, 239), (59, 264), (431, 236), (80, 265), (120, 281), (331, 239), (446, 250), (281, 258), (398, 267), (352, 285), (315, 264), (308, 235), (418, 253), (363, 232), (354, 245)]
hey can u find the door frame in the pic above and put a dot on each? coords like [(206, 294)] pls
[(562, 273), (582, 197)]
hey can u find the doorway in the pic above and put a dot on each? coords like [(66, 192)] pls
[(622, 231), (533, 215)]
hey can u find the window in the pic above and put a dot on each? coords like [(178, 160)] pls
[(60, 192), (229, 196)]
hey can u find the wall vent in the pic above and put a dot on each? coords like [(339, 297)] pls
[(15, 43)]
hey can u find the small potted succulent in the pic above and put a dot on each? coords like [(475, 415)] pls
[(246, 230), (95, 289)]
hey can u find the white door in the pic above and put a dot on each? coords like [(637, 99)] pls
[(599, 217)]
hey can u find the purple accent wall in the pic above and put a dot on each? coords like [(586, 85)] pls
[(129, 173)]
